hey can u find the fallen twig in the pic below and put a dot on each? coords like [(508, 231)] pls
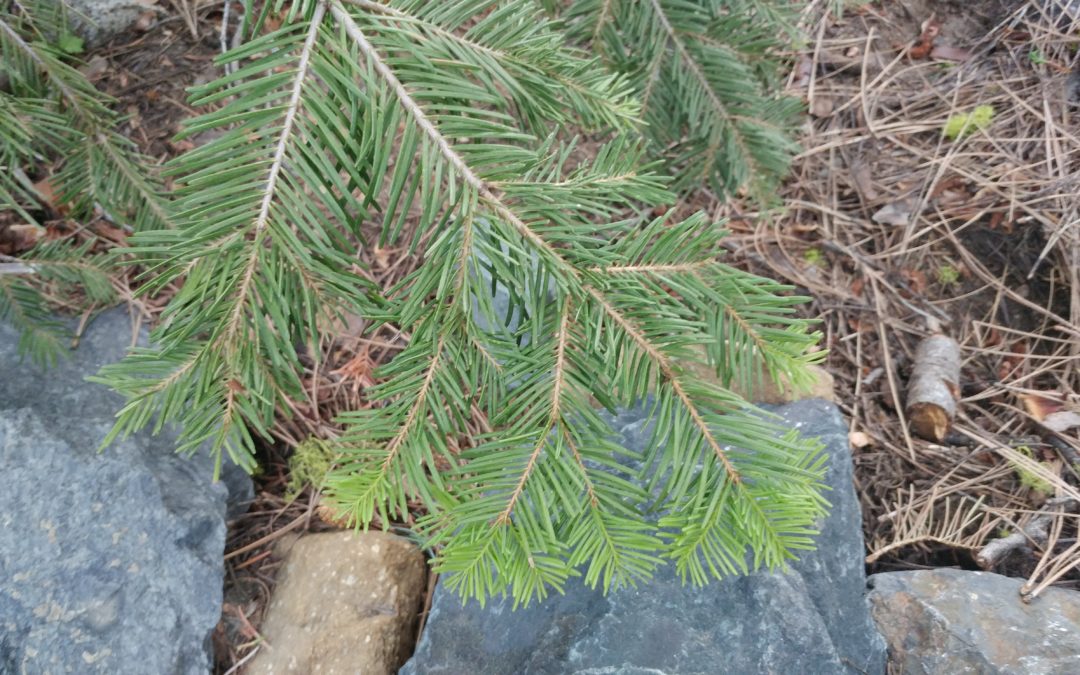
[(934, 387), (1035, 532)]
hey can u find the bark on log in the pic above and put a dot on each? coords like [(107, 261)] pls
[(1035, 532), (934, 387)]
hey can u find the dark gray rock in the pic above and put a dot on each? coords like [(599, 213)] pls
[(812, 619), (946, 621), (109, 562)]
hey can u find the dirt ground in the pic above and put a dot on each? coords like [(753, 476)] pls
[(895, 229)]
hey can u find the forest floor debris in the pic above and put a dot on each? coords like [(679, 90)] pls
[(900, 229)]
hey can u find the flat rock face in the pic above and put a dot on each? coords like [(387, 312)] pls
[(812, 619), (98, 20), (953, 621), (109, 562), (344, 603)]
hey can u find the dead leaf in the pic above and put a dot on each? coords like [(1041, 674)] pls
[(145, 22), (1013, 361), (947, 53), (951, 192), (925, 44), (25, 235), (111, 232), (915, 279), (359, 369), (1062, 421), (804, 69), (182, 145), (273, 22), (94, 68), (896, 213), (1040, 407), (864, 181), (133, 116), (47, 194), (859, 439), (821, 106), (382, 256)]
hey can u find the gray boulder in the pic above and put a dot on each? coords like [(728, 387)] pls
[(947, 622), (96, 21), (811, 619), (109, 562)]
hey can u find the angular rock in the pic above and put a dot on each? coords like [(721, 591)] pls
[(344, 603), (946, 621), (109, 562), (98, 20), (811, 619)]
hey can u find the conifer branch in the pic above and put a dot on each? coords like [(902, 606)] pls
[(711, 113), (270, 191), (412, 417), (605, 13), (617, 110), (677, 268), (151, 199), (558, 376), (59, 82), (668, 370), (695, 68), (92, 120), (535, 294), (456, 160), (406, 100)]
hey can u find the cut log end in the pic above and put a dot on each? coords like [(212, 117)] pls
[(929, 421), (934, 387)]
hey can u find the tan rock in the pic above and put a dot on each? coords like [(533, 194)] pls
[(769, 392), (345, 603)]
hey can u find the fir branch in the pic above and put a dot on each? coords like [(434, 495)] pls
[(668, 370), (705, 75), (276, 260), (444, 122), (558, 376), (269, 192), (658, 269), (519, 509), (39, 333), (51, 269), (125, 189), (598, 99)]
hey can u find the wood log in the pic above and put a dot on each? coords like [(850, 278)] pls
[(1036, 532), (934, 387)]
